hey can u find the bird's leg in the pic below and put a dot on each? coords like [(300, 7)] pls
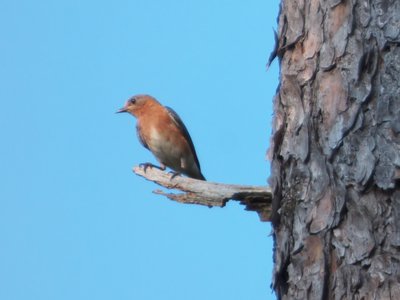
[(174, 174), (147, 165)]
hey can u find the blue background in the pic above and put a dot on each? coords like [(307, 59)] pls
[(75, 222)]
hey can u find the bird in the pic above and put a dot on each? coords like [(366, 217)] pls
[(161, 130)]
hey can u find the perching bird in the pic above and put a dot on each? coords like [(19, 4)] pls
[(162, 131)]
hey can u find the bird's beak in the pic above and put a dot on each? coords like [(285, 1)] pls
[(121, 110)]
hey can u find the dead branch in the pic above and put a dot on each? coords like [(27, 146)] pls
[(256, 198)]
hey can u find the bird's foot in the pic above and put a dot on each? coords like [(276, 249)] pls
[(146, 165), (149, 165), (174, 174)]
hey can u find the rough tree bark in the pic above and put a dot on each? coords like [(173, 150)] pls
[(336, 150)]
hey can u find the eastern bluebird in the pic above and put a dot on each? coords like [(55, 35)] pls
[(161, 130)]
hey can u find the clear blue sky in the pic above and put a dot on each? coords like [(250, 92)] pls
[(75, 222)]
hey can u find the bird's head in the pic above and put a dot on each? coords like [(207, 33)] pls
[(137, 103)]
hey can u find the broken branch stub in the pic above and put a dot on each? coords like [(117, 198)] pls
[(255, 198)]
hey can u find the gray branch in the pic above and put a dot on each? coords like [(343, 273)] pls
[(256, 198)]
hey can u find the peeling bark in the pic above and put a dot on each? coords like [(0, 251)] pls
[(335, 150)]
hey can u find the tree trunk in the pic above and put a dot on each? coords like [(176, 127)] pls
[(335, 150)]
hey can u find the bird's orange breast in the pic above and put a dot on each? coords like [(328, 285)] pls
[(163, 137)]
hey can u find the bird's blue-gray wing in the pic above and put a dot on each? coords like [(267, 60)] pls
[(178, 121)]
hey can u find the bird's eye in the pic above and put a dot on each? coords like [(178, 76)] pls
[(133, 100)]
